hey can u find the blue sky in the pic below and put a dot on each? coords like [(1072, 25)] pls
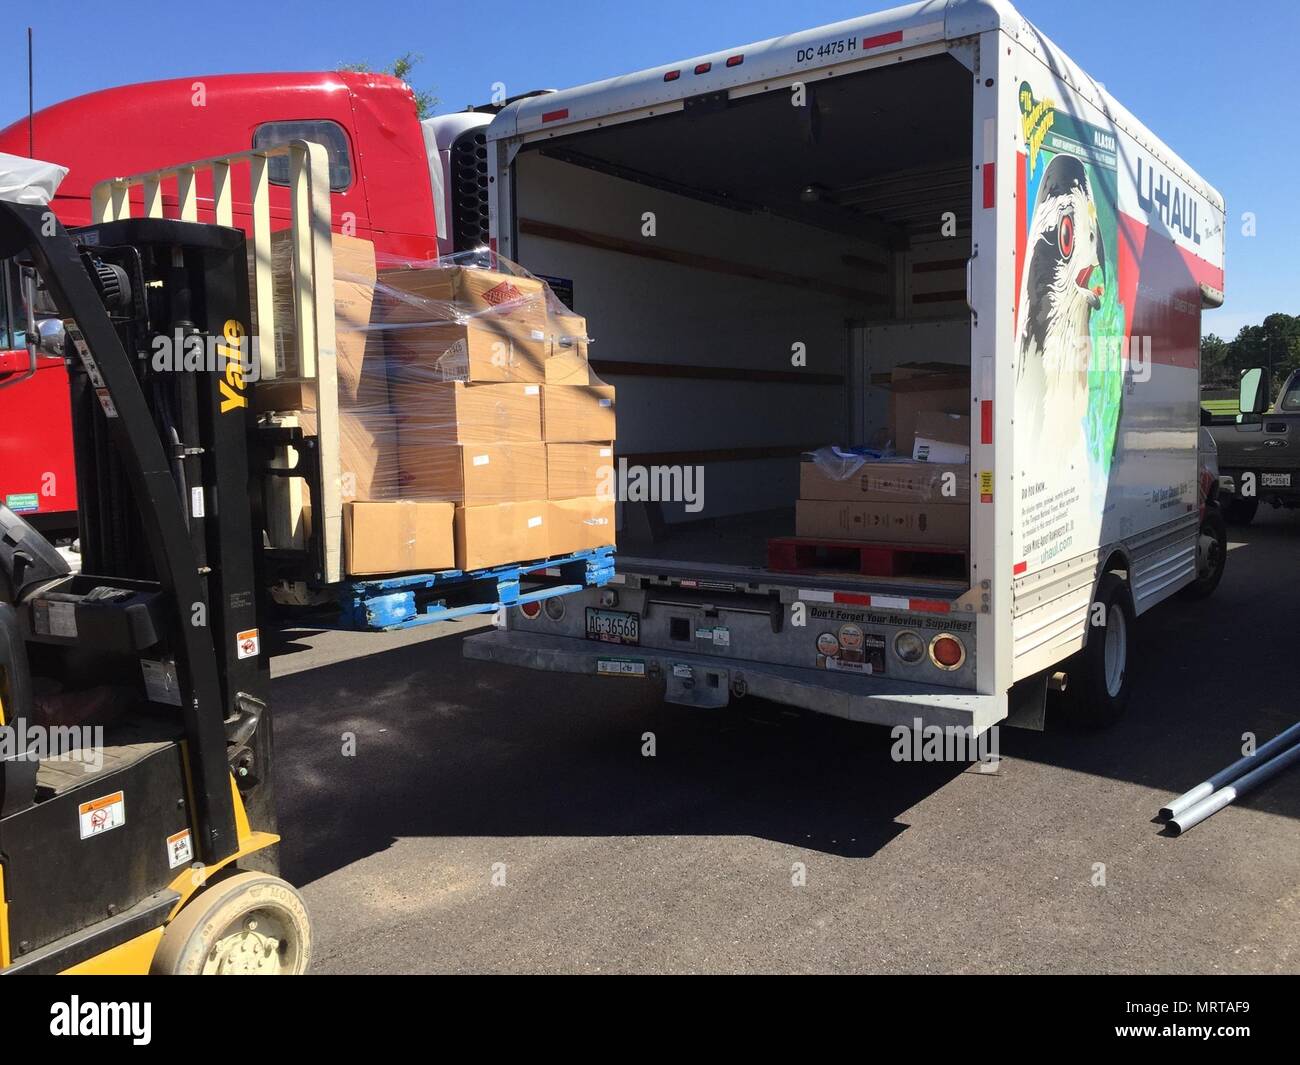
[(1216, 81)]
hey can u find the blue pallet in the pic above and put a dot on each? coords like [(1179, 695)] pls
[(421, 598)]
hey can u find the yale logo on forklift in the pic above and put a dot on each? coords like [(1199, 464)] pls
[(231, 383), (102, 815)]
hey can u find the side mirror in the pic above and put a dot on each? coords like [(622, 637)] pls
[(1252, 391), (53, 336)]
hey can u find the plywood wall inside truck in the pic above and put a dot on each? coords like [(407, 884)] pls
[(643, 310)]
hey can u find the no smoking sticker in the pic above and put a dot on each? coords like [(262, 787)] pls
[(102, 815)]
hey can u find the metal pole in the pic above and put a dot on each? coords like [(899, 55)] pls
[(1189, 799), (1224, 796), (31, 129)]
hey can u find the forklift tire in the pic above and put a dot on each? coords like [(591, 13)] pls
[(1211, 555), (248, 924), (1100, 678), (1241, 511)]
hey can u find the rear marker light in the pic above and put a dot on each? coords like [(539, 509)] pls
[(909, 646), (530, 610), (947, 652), (703, 68), (672, 75), (735, 60), (555, 116), (554, 607)]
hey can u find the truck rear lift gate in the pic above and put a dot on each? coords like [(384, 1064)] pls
[(313, 302)]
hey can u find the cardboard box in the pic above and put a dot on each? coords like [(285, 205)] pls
[(454, 412), (883, 522), (921, 388), (579, 524), (359, 346), (902, 482), (499, 533), (368, 454), (576, 414), (397, 537), (473, 474), (941, 437), (455, 293), (570, 368), (480, 349), (567, 334), (574, 470)]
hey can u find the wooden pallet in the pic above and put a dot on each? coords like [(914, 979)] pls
[(421, 598), (791, 554)]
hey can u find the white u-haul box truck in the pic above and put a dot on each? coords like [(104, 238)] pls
[(937, 183)]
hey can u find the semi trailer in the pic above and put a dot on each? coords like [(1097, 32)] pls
[(760, 238)]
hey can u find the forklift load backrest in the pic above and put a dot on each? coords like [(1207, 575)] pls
[(313, 266)]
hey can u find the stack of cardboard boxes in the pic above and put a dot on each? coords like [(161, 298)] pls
[(922, 501), (456, 450)]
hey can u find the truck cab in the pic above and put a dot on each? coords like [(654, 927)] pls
[(381, 189)]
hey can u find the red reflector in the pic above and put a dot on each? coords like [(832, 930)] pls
[(1019, 568), (986, 421), (735, 60), (672, 75), (884, 38), (531, 609), (988, 185), (703, 68), (552, 116), (947, 651)]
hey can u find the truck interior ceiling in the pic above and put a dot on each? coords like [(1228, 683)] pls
[(752, 271)]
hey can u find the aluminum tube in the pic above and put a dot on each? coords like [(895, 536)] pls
[(1189, 799), (1224, 796)]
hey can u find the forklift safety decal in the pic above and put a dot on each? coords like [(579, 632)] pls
[(102, 815), (87, 359), (247, 643), (180, 849)]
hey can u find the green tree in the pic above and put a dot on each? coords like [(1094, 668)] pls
[(425, 100)]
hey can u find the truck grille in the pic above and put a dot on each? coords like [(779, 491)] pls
[(469, 195)]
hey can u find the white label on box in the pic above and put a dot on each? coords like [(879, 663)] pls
[(681, 670), (180, 849), (247, 643), (479, 460), (160, 682), (102, 815), (606, 452), (534, 522), (196, 502), (532, 390)]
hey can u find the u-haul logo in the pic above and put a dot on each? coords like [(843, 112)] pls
[(231, 382)]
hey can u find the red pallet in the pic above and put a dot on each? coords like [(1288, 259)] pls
[(789, 554)]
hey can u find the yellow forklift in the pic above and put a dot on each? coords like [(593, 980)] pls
[(137, 825)]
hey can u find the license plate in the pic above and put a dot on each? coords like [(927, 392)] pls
[(613, 626), (1275, 480)]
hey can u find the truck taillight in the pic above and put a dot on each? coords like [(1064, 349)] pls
[(531, 610), (947, 652)]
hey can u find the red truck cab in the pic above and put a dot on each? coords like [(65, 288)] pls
[(381, 190)]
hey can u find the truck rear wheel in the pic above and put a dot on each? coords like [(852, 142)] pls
[(1211, 555), (247, 924), (1241, 511), (1099, 678)]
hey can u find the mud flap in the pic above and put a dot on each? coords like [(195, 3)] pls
[(1027, 703)]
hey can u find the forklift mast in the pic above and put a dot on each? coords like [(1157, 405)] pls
[(156, 314)]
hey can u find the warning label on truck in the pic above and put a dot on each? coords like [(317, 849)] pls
[(850, 649)]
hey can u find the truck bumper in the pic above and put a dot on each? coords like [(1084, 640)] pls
[(706, 681)]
